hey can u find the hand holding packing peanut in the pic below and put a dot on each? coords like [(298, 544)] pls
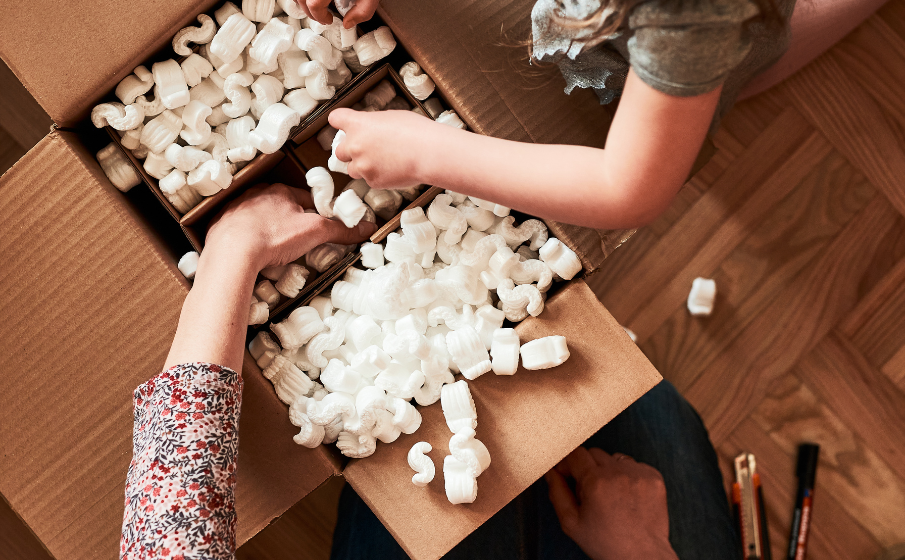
[(618, 510), (361, 11), (271, 223), (380, 146)]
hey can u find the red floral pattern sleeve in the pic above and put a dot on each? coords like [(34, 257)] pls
[(181, 482)]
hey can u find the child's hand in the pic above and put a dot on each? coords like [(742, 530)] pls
[(618, 509), (269, 225), (317, 10), (383, 147)]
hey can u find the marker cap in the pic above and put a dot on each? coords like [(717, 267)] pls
[(807, 464)]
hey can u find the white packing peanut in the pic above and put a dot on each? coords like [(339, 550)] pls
[(151, 108), (258, 10), (375, 45), (416, 81), (232, 38), (517, 302), (292, 9), (210, 177), (157, 165), (349, 208), (197, 130), (209, 93), (321, 184), (450, 118), (258, 313), (470, 451), (185, 158), (339, 76), (175, 188), (161, 131), (263, 349), (237, 136), (289, 62), (350, 57), (117, 116), (298, 328), (131, 139), (318, 49), (468, 352), (300, 101), (461, 486), (195, 69), (170, 81), (434, 107), (504, 351), (275, 38), (198, 35), (118, 168), (421, 464), (188, 264), (273, 128), (334, 163), (268, 90), (533, 230), (458, 406), (701, 296), (384, 202), (544, 353), (292, 280), (236, 90), (138, 83), (324, 256), (380, 95), (562, 260), (315, 75), (372, 255), (265, 292), (273, 273)]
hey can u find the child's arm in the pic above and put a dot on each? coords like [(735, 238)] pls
[(651, 146)]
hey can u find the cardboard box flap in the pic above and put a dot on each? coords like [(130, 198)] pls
[(90, 304), (476, 53), (556, 410), (70, 54)]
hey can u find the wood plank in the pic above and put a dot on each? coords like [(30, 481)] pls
[(834, 532), (729, 235), (862, 397), (853, 122), (727, 390), (893, 14), (304, 531), (766, 263), (639, 284), (877, 324), (750, 117), (874, 54), (894, 369), (849, 469)]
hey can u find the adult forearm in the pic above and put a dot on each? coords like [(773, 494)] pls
[(214, 317)]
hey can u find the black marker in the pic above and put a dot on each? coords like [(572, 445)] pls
[(804, 502)]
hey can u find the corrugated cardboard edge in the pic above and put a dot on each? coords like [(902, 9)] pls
[(558, 409)]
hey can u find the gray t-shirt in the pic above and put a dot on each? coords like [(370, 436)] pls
[(680, 48)]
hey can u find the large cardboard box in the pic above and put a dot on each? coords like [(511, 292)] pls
[(90, 294)]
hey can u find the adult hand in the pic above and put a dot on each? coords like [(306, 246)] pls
[(269, 225), (363, 10), (618, 510), (384, 147)]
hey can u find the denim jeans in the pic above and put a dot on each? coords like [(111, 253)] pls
[(660, 429)]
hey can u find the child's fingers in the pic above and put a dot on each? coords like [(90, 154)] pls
[(340, 119), (362, 11), (318, 10), (353, 170)]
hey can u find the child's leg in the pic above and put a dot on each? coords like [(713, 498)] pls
[(817, 25)]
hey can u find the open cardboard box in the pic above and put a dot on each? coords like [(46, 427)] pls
[(91, 295)]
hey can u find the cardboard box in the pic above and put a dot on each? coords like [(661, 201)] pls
[(91, 296)]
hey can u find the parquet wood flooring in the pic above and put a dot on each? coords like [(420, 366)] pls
[(807, 340)]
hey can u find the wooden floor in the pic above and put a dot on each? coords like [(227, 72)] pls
[(800, 219)]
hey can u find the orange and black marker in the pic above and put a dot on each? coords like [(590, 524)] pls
[(748, 508), (806, 470)]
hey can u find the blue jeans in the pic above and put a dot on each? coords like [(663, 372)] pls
[(660, 429)]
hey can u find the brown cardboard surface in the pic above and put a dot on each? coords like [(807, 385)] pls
[(476, 54), (528, 422), (90, 303), (70, 54)]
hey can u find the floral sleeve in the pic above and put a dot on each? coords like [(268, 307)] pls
[(179, 492)]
